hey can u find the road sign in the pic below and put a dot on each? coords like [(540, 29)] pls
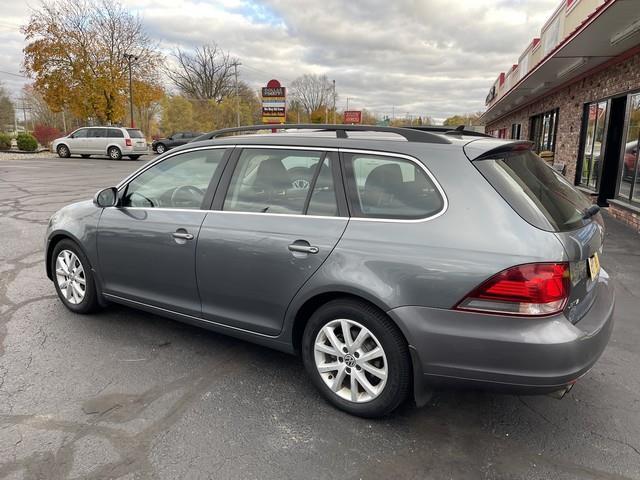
[(352, 116), (274, 103)]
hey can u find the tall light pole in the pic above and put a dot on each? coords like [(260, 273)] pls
[(334, 102), (129, 58), (235, 68)]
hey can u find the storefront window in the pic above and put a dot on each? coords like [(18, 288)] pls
[(543, 131), (515, 131), (593, 139), (630, 171)]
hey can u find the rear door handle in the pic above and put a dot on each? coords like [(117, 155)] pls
[(301, 248), (182, 235)]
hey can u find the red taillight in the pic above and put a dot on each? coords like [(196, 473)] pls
[(127, 142), (531, 289)]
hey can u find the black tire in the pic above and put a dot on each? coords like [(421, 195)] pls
[(85, 156), (63, 151), (398, 383), (114, 153), (160, 148), (134, 157), (89, 302)]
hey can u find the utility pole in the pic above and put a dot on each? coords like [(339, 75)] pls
[(235, 68), (347, 103), (129, 58), (64, 121), (334, 102)]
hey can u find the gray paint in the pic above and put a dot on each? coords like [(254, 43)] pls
[(238, 276)]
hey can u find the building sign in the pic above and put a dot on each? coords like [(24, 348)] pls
[(491, 96), (274, 103), (352, 116)]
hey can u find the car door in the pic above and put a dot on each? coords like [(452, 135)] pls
[(270, 229), (97, 140), (147, 244), (79, 142), (177, 140)]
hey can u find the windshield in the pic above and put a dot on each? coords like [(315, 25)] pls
[(539, 194)]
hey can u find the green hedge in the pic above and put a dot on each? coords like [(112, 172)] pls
[(5, 141), (26, 142)]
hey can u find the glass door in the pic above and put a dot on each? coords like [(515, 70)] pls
[(594, 138), (629, 173)]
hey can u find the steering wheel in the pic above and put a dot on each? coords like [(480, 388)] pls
[(196, 195)]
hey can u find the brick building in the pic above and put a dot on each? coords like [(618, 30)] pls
[(575, 93)]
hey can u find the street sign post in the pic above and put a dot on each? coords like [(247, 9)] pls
[(352, 116), (274, 103)]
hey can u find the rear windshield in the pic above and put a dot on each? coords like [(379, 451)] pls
[(539, 194), (135, 133)]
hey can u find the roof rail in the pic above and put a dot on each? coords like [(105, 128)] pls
[(411, 135), (448, 131)]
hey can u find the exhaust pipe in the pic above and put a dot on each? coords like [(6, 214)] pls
[(559, 394)]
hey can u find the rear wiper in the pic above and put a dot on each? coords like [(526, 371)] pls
[(590, 212)]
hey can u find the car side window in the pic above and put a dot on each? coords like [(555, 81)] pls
[(390, 187), (115, 133), (97, 132), (177, 136), (272, 181), (82, 133), (180, 181)]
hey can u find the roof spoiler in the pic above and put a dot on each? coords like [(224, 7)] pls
[(486, 148)]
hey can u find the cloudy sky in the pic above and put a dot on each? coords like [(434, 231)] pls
[(422, 57)]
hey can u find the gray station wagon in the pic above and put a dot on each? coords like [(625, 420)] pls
[(394, 261)]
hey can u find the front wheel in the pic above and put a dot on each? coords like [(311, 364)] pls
[(72, 278), (114, 153), (160, 148), (63, 151), (357, 358)]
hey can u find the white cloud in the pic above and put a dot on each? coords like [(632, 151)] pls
[(425, 57)]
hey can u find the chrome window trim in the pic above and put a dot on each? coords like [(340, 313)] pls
[(162, 158), (445, 201)]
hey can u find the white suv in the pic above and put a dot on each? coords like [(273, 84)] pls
[(114, 142)]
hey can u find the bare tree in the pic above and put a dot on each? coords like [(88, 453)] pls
[(205, 74), (312, 92)]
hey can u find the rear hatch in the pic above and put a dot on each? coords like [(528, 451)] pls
[(138, 140), (546, 200)]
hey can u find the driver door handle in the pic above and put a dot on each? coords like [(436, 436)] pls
[(182, 235), (296, 247)]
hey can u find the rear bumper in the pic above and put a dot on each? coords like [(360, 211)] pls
[(524, 355)]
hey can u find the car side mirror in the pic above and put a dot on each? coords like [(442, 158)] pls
[(107, 197)]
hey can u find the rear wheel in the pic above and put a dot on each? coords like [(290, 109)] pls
[(160, 148), (114, 153), (63, 151), (72, 278), (134, 157), (357, 358)]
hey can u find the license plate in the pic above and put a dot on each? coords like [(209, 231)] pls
[(594, 266)]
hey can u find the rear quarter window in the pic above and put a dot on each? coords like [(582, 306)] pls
[(388, 187), (539, 194)]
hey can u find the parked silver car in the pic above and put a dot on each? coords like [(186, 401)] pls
[(391, 260), (115, 142)]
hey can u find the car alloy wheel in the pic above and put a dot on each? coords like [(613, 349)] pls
[(63, 151), (71, 277), (114, 153), (351, 360), (160, 149)]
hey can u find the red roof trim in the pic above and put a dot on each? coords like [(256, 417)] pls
[(585, 23)]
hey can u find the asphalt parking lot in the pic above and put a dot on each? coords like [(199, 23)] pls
[(125, 394)]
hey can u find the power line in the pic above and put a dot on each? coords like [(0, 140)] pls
[(14, 74)]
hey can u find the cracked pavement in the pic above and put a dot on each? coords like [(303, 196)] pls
[(125, 394)]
